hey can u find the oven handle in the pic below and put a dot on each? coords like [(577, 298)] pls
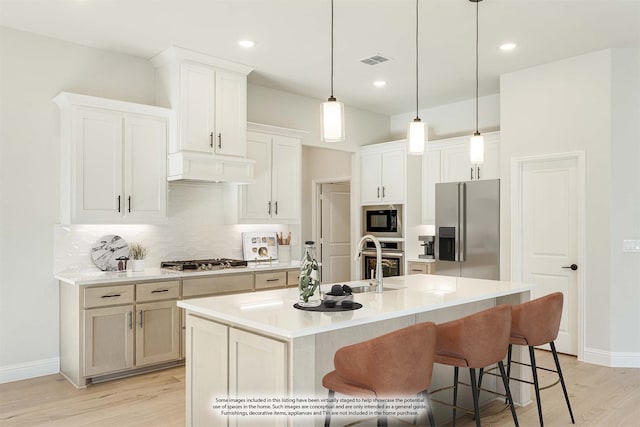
[(384, 254)]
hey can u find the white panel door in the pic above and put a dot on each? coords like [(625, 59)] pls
[(197, 105), (335, 249), (285, 179), (98, 167), (550, 238), (231, 114), (256, 197), (393, 176), (370, 177), (145, 145)]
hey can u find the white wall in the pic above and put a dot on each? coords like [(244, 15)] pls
[(583, 103), (449, 120)]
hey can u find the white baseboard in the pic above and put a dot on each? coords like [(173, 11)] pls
[(613, 359), (23, 371)]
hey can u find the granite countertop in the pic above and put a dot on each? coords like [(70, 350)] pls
[(97, 277), (272, 312)]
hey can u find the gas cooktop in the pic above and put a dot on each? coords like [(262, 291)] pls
[(203, 264)]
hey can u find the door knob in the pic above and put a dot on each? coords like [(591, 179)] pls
[(572, 266)]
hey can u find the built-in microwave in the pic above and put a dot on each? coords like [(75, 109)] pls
[(382, 221)]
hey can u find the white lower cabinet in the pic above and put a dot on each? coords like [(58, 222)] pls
[(224, 359)]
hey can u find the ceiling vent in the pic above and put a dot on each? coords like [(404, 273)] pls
[(374, 60)]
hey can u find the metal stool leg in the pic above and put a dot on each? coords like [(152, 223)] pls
[(327, 418), (536, 385), (427, 403), (382, 419), (505, 381), (480, 382), (564, 388), (509, 352), (474, 392), (455, 393)]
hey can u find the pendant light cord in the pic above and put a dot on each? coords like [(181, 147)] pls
[(331, 48), (477, 8), (417, 111)]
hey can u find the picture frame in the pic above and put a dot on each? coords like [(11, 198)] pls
[(260, 246)]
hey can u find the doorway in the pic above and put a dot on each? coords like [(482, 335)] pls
[(548, 235), (333, 230)]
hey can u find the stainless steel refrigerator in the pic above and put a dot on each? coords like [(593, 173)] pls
[(468, 229)]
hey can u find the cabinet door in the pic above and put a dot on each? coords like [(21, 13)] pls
[(255, 198), (430, 177), (371, 177), (197, 108), (231, 114), (157, 332), (206, 371), (108, 340), (145, 177), (285, 182), (456, 165), (97, 196), (417, 268), (490, 169), (249, 379), (393, 176)]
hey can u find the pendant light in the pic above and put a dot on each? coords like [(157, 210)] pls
[(417, 134), (332, 111), (476, 144)]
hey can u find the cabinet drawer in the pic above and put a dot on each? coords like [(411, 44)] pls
[(418, 268), (223, 283), (293, 277), (155, 291), (277, 279), (108, 295)]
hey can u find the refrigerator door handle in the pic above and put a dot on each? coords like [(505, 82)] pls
[(462, 220)]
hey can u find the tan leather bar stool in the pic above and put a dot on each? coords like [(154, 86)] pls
[(397, 364), (534, 323), (474, 342)]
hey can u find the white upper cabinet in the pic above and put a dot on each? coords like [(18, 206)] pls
[(274, 196), (208, 97), (383, 173), (447, 160), (113, 161)]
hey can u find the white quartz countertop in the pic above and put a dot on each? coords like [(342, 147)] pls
[(97, 277), (272, 312)]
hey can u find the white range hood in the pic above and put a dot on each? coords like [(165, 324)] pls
[(204, 167)]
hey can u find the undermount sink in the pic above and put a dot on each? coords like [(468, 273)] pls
[(365, 287)]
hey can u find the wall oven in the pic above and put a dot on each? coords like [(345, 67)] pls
[(392, 259), (382, 221)]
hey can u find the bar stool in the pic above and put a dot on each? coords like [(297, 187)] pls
[(473, 342), (397, 364), (534, 323)]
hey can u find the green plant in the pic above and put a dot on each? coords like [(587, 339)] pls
[(138, 251), (308, 277)]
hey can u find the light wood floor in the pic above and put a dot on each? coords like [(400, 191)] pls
[(599, 396)]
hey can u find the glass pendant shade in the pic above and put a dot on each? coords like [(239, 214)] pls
[(477, 148), (417, 136), (332, 121)]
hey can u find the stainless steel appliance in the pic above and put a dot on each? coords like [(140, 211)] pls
[(382, 221), (468, 229), (203, 264), (392, 259), (428, 243)]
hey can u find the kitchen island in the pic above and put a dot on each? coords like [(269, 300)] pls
[(247, 350)]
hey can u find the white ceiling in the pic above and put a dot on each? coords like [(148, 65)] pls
[(293, 39)]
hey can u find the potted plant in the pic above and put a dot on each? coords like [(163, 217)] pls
[(138, 254)]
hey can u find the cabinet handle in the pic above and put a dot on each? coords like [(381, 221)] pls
[(111, 296), (478, 173), (383, 195), (141, 318), (269, 207), (219, 140), (276, 210), (211, 139), (416, 269), (130, 319), (472, 173), (129, 203), (378, 192), (159, 290), (273, 280), (118, 203)]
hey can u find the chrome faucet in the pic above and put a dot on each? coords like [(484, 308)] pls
[(376, 242)]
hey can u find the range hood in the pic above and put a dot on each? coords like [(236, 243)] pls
[(190, 166)]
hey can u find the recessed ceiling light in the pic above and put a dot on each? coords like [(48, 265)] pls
[(246, 43), (508, 46), (379, 83)]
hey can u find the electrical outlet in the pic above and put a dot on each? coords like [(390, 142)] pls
[(631, 245)]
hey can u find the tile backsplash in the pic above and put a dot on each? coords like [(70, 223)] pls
[(196, 230)]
